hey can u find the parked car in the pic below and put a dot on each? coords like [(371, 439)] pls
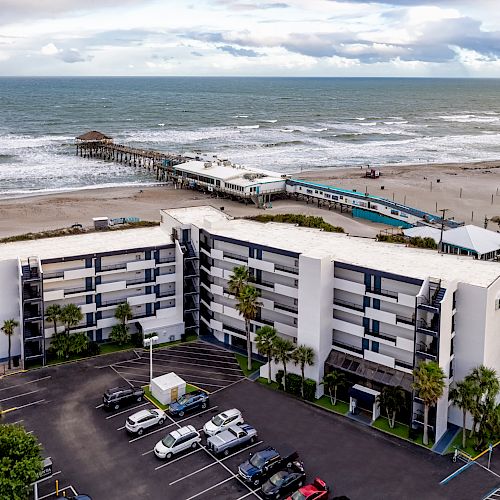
[(318, 490), (142, 420), (222, 421), (264, 463), (188, 402), (233, 436), (177, 441), (284, 481), (121, 396)]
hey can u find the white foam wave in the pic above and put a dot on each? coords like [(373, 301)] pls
[(469, 118), (248, 126), (240, 116), (269, 121), (161, 124)]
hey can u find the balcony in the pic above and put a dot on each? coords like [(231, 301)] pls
[(287, 308), (81, 289), (427, 351), (405, 320), (52, 275), (113, 267), (264, 321), (286, 269), (115, 302), (265, 284), (381, 335), (403, 364), (347, 347), (168, 293), (32, 313), (234, 330), (166, 260), (138, 281), (349, 305), (234, 256), (382, 291), (427, 329)]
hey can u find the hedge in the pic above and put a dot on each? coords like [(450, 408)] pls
[(300, 220), (294, 385)]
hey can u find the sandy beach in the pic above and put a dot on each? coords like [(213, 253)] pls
[(470, 191)]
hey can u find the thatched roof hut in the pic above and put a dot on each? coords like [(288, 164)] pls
[(94, 136)]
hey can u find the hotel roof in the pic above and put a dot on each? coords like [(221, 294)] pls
[(387, 257), (87, 243)]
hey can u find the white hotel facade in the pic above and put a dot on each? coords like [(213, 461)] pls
[(371, 309)]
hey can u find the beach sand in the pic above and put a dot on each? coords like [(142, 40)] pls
[(415, 185)]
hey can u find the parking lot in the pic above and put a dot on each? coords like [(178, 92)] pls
[(92, 452)]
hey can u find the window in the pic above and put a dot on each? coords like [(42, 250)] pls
[(375, 346), (365, 344)]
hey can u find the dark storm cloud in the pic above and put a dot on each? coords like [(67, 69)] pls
[(238, 52)]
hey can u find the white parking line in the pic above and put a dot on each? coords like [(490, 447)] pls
[(121, 428), (170, 462), (112, 367), (17, 422), (174, 422), (25, 383), (252, 492), (128, 410), (227, 386), (169, 355), (190, 364), (30, 404), (230, 359), (99, 406), (61, 490), (48, 477), (19, 395), (211, 487), (214, 463)]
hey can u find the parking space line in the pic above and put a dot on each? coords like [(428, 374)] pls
[(190, 364), (99, 406), (29, 404), (19, 395), (17, 422), (61, 490), (112, 367), (126, 411), (174, 422), (227, 386), (211, 487), (214, 463), (252, 492), (169, 355), (203, 347), (47, 478), (25, 383), (170, 462), (230, 359)]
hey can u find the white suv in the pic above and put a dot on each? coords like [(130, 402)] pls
[(177, 441), (143, 419), (222, 421)]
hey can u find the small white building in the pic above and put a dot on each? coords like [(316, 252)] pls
[(168, 388)]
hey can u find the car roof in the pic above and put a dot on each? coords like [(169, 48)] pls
[(230, 413), (198, 392), (187, 429), (268, 452), (140, 414), (116, 389)]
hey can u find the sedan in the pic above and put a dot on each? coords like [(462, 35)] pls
[(318, 490), (222, 421), (285, 481), (142, 420)]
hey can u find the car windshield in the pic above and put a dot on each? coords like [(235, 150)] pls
[(183, 400), (217, 420), (277, 479), (298, 496), (168, 441), (258, 460)]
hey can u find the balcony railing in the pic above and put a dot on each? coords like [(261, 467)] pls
[(71, 291), (347, 347), (349, 305), (382, 291), (428, 328), (138, 281), (264, 283), (403, 364), (234, 256), (264, 321), (114, 267), (384, 336), (405, 320), (106, 303), (286, 269), (233, 329), (165, 260), (54, 274), (168, 293), (284, 307)]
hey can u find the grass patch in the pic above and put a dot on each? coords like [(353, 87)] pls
[(400, 430), (263, 381), (147, 393), (110, 347), (299, 220), (341, 407), (242, 361), (189, 338), (457, 443)]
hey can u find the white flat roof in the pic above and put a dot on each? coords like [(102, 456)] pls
[(81, 244), (388, 257), (167, 381), (235, 174)]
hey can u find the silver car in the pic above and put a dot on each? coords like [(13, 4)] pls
[(144, 419)]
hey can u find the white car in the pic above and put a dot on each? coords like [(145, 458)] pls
[(143, 419), (222, 421), (177, 441)]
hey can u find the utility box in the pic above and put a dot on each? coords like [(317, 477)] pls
[(101, 222), (168, 388)]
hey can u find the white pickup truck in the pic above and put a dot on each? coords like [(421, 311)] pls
[(236, 435)]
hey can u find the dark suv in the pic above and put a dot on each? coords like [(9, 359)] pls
[(264, 463), (121, 396), (188, 402)]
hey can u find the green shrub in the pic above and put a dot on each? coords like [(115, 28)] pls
[(279, 378), (391, 238), (309, 389), (300, 220), (93, 348), (293, 384), (137, 339), (426, 242)]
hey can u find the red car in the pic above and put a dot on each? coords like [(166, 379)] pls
[(318, 490)]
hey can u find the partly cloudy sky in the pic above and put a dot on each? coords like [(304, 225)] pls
[(250, 37)]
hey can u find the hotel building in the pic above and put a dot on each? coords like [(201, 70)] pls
[(373, 310)]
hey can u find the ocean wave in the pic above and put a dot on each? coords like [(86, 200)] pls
[(240, 116), (269, 121), (247, 126), (470, 118)]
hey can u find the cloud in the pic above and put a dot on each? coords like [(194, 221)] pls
[(238, 52), (67, 55), (238, 5)]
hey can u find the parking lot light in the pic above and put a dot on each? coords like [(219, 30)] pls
[(151, 340)]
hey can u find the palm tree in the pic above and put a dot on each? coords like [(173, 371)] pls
[(247, 305), (53, 314), (462, 396), (283, 353), (265, 337), (238, 280), (429, 385), (8, 328), (392, 399), (333, 380), (123, 313), (70, 315), (302, 356)]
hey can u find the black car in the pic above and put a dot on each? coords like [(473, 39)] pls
[(264, 463), (188, 402), (284, 481), (121, 396)]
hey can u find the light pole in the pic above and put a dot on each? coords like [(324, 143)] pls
[(151, 340)]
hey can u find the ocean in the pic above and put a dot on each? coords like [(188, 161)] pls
[(281, 124)]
